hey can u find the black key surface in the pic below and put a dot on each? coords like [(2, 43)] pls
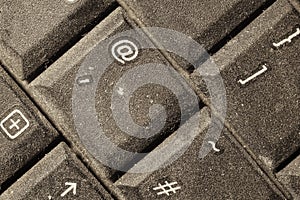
[(54, 91), (206, 21), (24, 132), (32, 32), (260, 69), (59, 175), (290, 177), (222, 174)]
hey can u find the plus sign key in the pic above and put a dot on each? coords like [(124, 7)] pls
[(14, 124), (24, 132)]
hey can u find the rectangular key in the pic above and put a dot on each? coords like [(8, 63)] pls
[(124, 95), (59, 175), (24, 132), (206, 21), (290, 177), (260, 69), (296, 4), (224, 173), (32, 32)]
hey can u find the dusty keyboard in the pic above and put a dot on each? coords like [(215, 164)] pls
[(263, 108), (76, 75), (32, 32)]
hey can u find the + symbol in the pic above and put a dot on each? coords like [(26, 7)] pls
[(14, 124), (167, 188)]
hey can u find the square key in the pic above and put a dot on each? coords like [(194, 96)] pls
[(14, 124)]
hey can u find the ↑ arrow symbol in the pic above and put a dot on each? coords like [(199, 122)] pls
[(72, 187)]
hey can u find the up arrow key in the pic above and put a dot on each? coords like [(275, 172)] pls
[(72, 187)]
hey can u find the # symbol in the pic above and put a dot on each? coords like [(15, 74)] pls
[(167, 188)]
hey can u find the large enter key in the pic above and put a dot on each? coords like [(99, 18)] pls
[(224, 173)]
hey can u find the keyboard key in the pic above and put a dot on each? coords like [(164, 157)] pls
[(53, 90), (59, 175), (206, 21), (32, 32), (24, 132), (226, 174), (260, 68), (296, 4), (290, 176)]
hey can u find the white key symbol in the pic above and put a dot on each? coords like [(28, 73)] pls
[(287, 40), (167, 189), (263, 70), (124, 51)]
